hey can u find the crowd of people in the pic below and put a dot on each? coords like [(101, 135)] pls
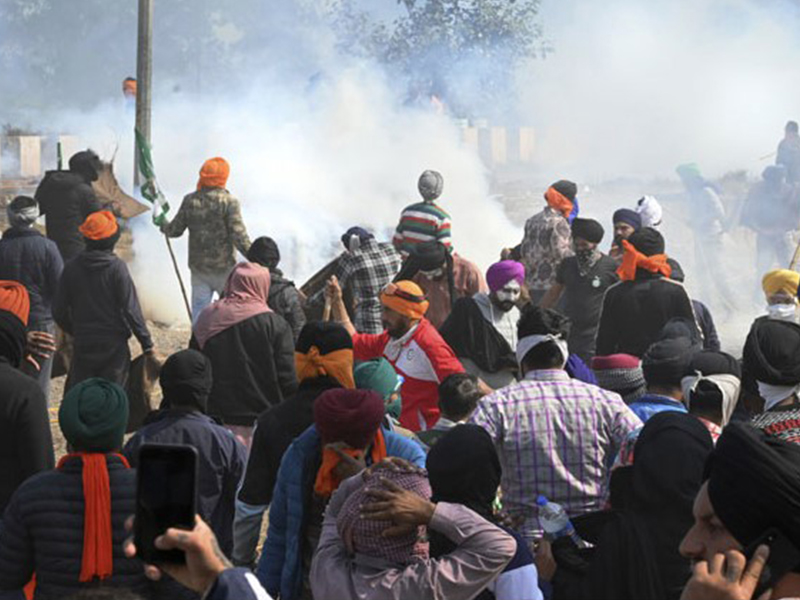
[(418, 439)]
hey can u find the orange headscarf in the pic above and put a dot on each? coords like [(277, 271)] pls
[(337, 364), (326, 482), (98, 549), (99, 225), (633, 259), (14, 298), (559, 202), (214, 173), (406, 298)]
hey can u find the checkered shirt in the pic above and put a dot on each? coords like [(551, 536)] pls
[(366, 271), (557, 437)]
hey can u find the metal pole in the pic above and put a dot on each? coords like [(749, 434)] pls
[(144, 81), (144, 77)]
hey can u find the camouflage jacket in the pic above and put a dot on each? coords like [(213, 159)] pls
[(547, 241), (216, 230)]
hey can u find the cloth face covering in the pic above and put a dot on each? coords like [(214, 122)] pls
[(587, 259), (783, 312)]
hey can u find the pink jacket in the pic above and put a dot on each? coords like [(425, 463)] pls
[(482, 552)]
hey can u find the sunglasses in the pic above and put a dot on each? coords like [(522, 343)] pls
[(391, 289)]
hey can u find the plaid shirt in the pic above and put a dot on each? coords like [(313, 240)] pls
[(366, 271), (555, 436)]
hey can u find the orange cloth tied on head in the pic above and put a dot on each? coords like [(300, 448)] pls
[(14, 298), (405, 298), (129, 88), (337, 364), (327, 482), (99, 225), (214, 173), (559, 202), (633, 259)]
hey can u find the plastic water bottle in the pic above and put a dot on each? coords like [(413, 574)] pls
[(555, 522)]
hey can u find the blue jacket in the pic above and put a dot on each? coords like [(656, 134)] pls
[(33, 260), (221, 463), (280, 569), (651, 404)]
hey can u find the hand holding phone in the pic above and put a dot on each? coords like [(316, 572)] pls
[(166, 491)]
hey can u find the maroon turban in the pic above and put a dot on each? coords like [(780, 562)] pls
[(499, 274), (350, 416), (365, 535)]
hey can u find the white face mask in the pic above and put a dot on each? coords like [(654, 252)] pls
[(510, 292), (433, 275), (783, 312)]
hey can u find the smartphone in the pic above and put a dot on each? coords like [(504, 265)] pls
[(784, 556), (166, 492)]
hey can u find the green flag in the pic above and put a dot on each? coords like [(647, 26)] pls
[(150, 189)]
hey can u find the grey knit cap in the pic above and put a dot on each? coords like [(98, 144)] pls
[(431, 184)]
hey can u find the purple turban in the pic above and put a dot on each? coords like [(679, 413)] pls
[(365, 535), (499, 274)]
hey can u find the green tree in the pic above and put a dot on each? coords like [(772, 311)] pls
[(464, 51)]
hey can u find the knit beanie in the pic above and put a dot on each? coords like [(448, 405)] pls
[(620, 373)]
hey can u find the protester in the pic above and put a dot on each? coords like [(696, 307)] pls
[(345, 438), (186, 381), (771, 357), (67, 526), (207, 571), (636, 309), (663, 366), (323, 361), (620, 373), (650, 211), (770, 211), (372, 543), (284, 298), (363, 270), (458, 398), (788, 155), (555, 436), (216, 232), (444, 277), (581, 282), (780, 288), (26, 446), (66, 198), (379, 376), (464, 469), (752, 486), (482, 330), (708, 223), (711, 390), (626, 223), (636, 543), (424, 221), (97, 304), (547, 239), (33, 260), (410, 343), (250, 348)]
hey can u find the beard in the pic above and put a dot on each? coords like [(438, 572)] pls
[(505, 305), (395, 331)]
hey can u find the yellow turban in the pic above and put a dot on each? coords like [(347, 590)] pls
[(781, 281)]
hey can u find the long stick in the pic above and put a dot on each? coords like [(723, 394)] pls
[(180, 279), (795, 258)]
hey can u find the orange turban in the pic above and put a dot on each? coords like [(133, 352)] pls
[(99, 225), (14, 299), (559, 202), (633, 259), (406, 298), (129, 88), (214, 173)]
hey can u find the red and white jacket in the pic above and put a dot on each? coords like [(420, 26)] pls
[(424, 360)]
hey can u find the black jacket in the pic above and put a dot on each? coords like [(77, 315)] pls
[(66, 199), (707, 328), (42, 531), (97, 300), (26, 446), (33, 260), (284, 299), (221, 463), (635, 312), (253, 366), (276, 429)]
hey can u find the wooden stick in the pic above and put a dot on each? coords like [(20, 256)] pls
[(180, 279), (326, 312)]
